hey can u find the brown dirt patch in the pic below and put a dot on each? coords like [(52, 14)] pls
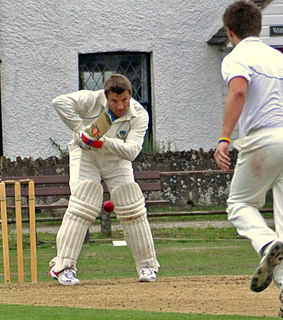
[(207, 295)]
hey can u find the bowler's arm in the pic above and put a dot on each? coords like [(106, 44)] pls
[(237, 91), (235, 102)]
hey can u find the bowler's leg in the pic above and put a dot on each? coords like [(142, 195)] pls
[(253, 177)]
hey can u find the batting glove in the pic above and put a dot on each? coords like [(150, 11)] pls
[(88, 140), (79, 141), (85, 141)]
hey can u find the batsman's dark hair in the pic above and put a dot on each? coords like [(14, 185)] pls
[(117, 83), (243, 18)]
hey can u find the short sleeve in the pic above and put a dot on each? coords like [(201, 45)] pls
[(231, 69)]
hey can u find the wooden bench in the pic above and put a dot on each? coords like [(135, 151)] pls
[(56, 186)]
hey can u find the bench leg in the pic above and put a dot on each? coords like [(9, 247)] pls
[(87, 236), (105, 223)]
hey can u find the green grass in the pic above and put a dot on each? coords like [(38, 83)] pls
[(180, 251), (15, 312)]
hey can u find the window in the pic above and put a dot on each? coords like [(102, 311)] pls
[(95, 68)]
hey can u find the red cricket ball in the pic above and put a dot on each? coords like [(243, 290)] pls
[(108, 206)]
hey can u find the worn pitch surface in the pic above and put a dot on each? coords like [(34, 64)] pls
[(208, 295)]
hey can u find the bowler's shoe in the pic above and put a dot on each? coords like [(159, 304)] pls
[(272, 256)]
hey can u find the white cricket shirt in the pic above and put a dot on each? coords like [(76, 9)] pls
[(262, 66)]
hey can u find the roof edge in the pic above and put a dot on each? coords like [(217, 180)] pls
[(220, 37)]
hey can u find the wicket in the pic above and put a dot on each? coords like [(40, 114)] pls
[(4, 224)]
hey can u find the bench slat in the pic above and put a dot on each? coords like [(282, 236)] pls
[(63, 179), (65, 190), (48, 179), (147, 175), (42, 191)]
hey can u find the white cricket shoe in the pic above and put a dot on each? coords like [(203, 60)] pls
[(66, 277), (147, 274), (272, 256)]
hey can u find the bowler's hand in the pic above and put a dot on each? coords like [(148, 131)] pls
[(221, 156)]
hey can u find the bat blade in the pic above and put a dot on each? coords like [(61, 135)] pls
[(100, 126)]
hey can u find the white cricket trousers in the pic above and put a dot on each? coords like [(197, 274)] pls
[(259, 168), (87, 165)]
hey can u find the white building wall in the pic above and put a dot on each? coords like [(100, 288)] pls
[(272, 15), (39, 46)]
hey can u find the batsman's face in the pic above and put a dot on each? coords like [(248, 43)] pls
[(119, 103)]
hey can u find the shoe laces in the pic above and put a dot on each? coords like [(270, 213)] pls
[(69, 273), (147, 271)]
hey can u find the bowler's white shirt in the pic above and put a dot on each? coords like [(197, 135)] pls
[(262, 67)]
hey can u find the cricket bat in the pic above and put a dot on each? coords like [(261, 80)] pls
[(100, 126)]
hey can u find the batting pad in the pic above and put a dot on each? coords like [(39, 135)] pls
[(86, 200), (130, 209), (84, 206), (129, 201)]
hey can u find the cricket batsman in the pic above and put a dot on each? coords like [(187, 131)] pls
[(108, 132)]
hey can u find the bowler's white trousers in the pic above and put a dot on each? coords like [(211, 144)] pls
[(259, 168)]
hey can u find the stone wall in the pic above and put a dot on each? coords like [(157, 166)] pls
[(178, 161), (188, 178), (196, 188)]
